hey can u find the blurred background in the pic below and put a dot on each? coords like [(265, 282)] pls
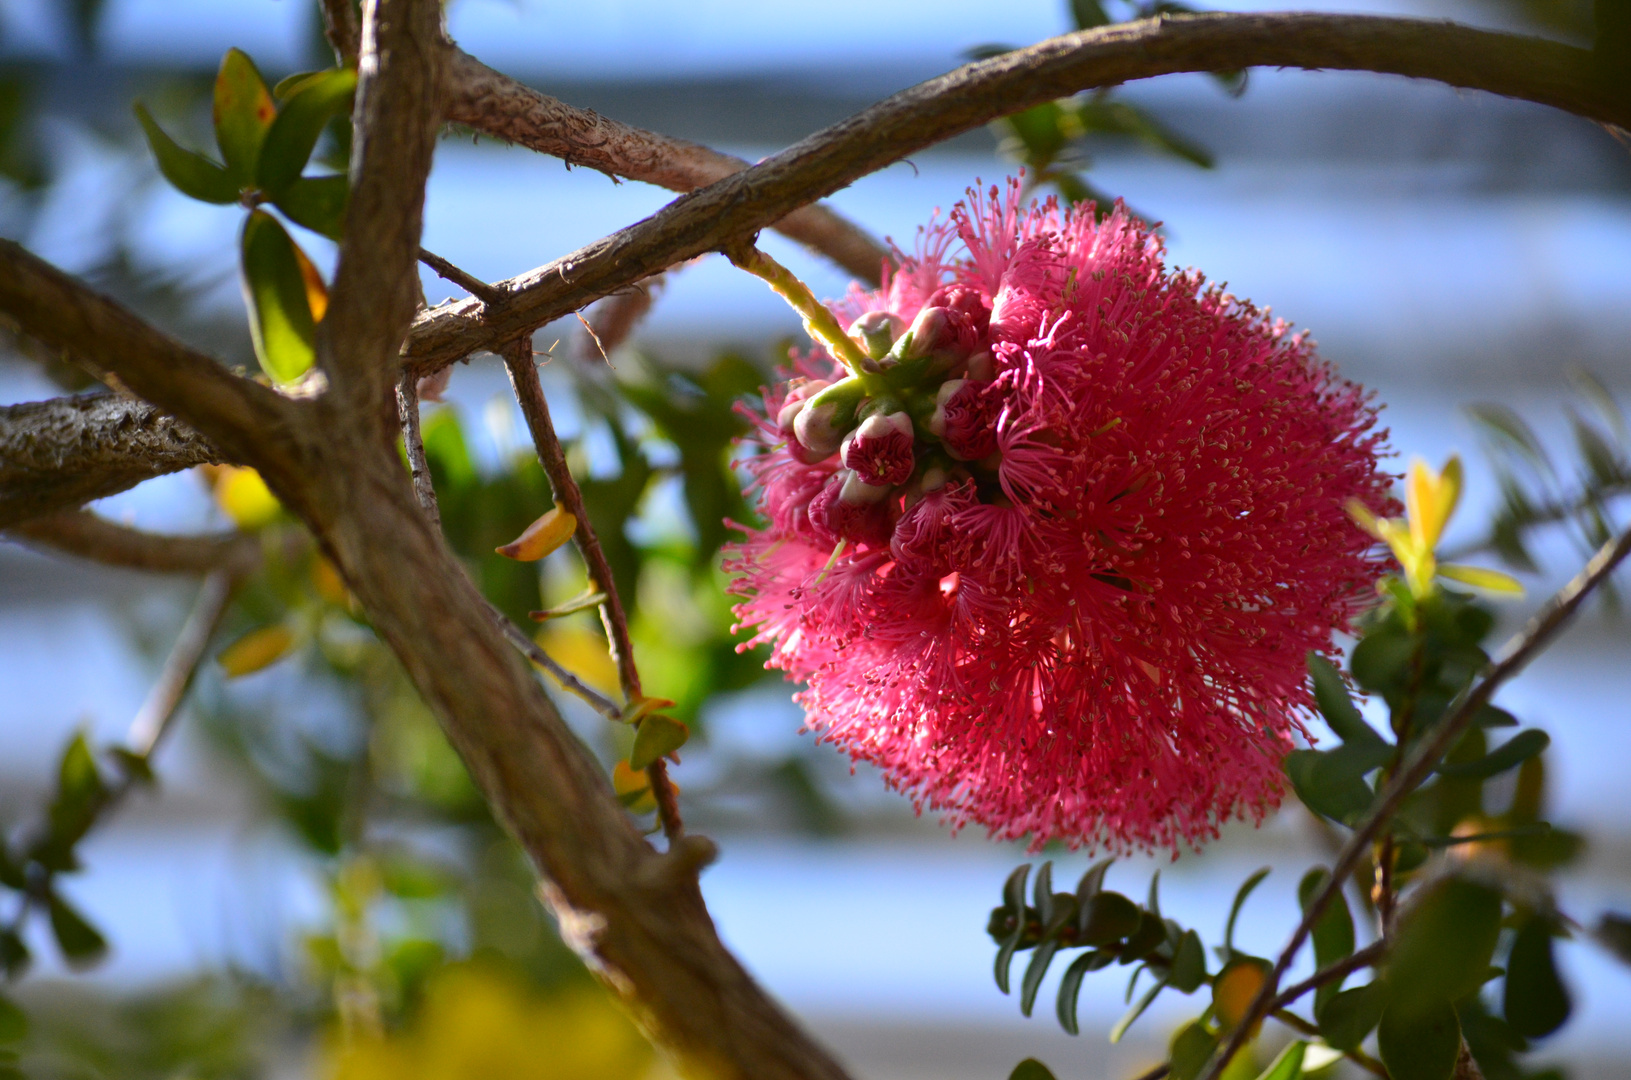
[(313, 862)]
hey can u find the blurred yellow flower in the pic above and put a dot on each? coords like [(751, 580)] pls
[(242, 495)]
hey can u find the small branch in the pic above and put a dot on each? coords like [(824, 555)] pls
[(1365, 957), (148, 729), (88, 536), (237, 415), (1419, 766), (613, 319), (743, 203), (499, 105), (59, 454), (407, 408), (533, 651), (341, 29), (470, 283), (400, 95), (534, 406)]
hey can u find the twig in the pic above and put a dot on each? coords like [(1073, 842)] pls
[(534, 406), (469, 282), (88, 536), (341, 29), (532, 651), (407, 409), (148, 729), (1365, 957), (737, 206), (613, 319), (1159, 1072), (499, 105), (1517, 652)]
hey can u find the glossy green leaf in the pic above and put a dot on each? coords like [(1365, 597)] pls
[(190, 173), (1288, 1065), (1331, 782), (1070, 986), (1042, 892), (1350, 1015), (1013, 890), (1108, 917), (1241, 894), (1381, 660), (1333, 934), (276, 293), (657, 737), (78, 798), (81, 943), (1188, 964), (294, 133), (1338, 709), (1445, 940), (1146, 939), (13, 1021), (1420, 1044), (1092, 881), (1509, 755), (1191, 1048), (243, 113), (1031, 1069), (1005, 956), (1535, 1001), (317, 203), (1034, 973)]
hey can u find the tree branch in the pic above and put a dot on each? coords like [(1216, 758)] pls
[(1366, 957), (148, 729), (62, 453), (376, 284), (65, 313), (1419, 765), (341, 29), (88, 536), (739, 205), (535, 407), (494, 103)]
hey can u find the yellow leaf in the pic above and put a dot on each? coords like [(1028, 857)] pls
[(541, 537), (633, 788), (642, 706), (256, 650), (244, 497), (582, 652), (1364, 518), (1430, 499), (1481, 578), (1235, 988), (316, 291)]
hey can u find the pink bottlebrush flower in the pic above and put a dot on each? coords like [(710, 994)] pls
[(1082, 612)]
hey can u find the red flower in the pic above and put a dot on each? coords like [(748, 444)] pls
[(1081, 612)]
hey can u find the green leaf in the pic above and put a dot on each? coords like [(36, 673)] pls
[(11, 871), (1191, 1048), (1602, 460), (294, 133), (81, 943), (1013, 890), (1034, 973), (1146, 939), (1042, 892), (1070, 986), (1188, 964), (1005, 956), (1420, 1044), (1087, 14), (1331, 782), (1510, 430), (1241, 894), (1031, 1069), (190, 173), (243, 112), (1288, 1065), (1331, 694), (13, 1021), (317, 203), (657, 737), (1334, 932), (1153, 903), (14, 954), (1535, 1002), (1509, 755), (1381, 660), (1132, 1014), (1445, 940), (1107, 917), (276, 292), (1092, 881), (78, 800), (1351, 1015)]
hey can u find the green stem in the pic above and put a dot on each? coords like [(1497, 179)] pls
[(818, 321)]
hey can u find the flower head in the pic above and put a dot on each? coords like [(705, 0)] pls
[(1052, 551)]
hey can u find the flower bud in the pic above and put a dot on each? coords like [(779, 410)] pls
[(876, 332), (850, 509), (931, 349), (879, 452), (820, 426), (965, 419), (799, 391), (982, 366)]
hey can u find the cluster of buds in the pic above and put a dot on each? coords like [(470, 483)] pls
[(919, 401)]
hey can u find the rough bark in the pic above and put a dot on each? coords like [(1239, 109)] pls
[(62, 453)]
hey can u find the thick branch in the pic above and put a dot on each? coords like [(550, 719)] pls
[(376, 284), (62, 453), (1416, 768), (741, 204), (50, 306), (493, 102), (84, 534)]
